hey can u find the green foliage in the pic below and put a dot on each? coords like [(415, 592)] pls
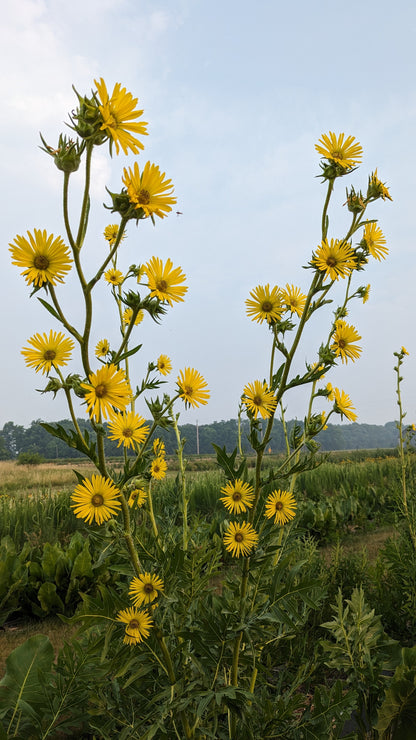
[(361, 650), (22, 693), (30, 458), (397, 714)]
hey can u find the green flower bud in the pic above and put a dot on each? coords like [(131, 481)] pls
[(355, 201), (67, 155), (87, 120)]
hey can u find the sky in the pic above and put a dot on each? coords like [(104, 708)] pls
[(236, 96)]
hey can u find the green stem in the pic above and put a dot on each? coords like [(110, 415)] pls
[(65, 211), (86, 197), (182, 481), (128, 536), (151, 512)]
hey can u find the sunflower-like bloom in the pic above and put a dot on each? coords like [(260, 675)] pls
[(265, 304), (375, 241), (102, 348), (164, 281), (128, 428), (113, 276), (111, 233), (404, 351), (238, 496), (192, 387), (164, 364), (145, 589), (95, 500), (376, 188), (293, 299), (158, 468), (128, 313), (334, 259), (149, 190), (158, 447), (259, 399), (343, 405), (281, 505), (239, 539), (107, 389), (137, 497), (138, 625), (346, 153), (343, 345), (118, 114), (45, 259), (48, 351)]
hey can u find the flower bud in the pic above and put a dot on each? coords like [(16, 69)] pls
[(67, 155), (87, 120), (355, 201)]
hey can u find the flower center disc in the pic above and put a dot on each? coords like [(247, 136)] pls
[(127, 432), (238, 537), (279, 506), (162, 286), (134, 625), (331, 262), (257, 400), (100, 390), (143, 197), (341, 343), (49, 355), (97, 499), (148, 588), (267, 306), (41, 262), (236, 496)]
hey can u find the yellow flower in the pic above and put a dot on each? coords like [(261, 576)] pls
[(343, 345), (259, 399), (375, 241), (47, 352), (238, 496), (165, 282), (113, 276), (239, 539), (149, 190), (164, 365), (95, 500), (138, 625), (118, 114), (335, 259), (404, 351), (137, 497), (343, 405), (107, 389), (102, 348), (145, 589), (330, 390), (376, 188), (45, 259), (191, 387), (158, 468), (128, 313), (294, 299), (346, 153), (281, 505), (158, 447), (366, 293), (111, 233), (265, 304), (128, 428), (323, 420)]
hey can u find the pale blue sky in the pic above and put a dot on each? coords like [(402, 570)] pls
[(236, 96)]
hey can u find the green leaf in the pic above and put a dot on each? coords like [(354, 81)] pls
[(49, 599), (50, 308), (23, 687)]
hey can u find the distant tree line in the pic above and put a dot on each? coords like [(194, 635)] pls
[(15, 439)]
